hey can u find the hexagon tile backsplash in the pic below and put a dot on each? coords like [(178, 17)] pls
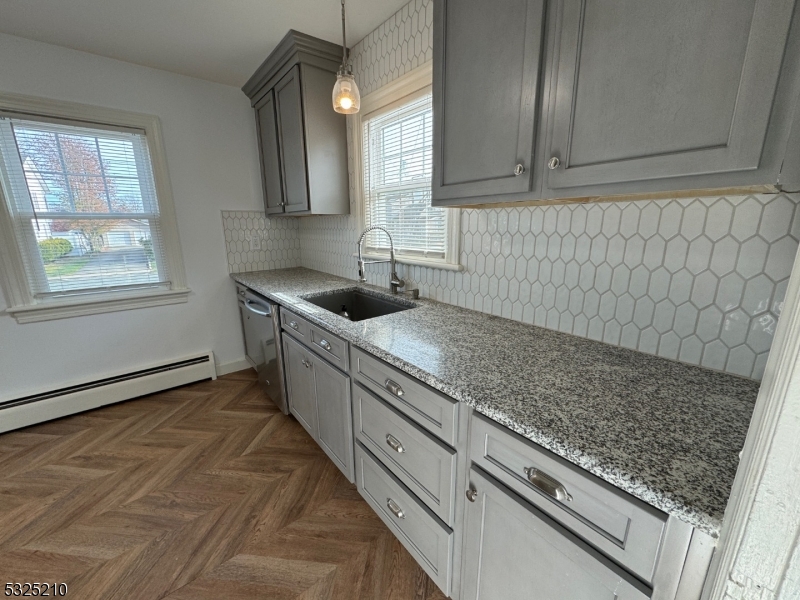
[(698, 280), (255, 243)]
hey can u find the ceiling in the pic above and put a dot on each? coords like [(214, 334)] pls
[(218, 40)]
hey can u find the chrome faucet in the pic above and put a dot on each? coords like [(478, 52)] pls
[(394, 281)]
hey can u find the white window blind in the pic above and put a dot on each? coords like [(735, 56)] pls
[(84, 206), (397, 148)]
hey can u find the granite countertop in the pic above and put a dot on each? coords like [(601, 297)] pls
[(666, 432)]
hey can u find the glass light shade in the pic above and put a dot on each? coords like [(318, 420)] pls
[(346, 97)]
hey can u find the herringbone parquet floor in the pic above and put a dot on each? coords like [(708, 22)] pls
[(205, 491)]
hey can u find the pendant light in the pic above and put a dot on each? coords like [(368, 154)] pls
[(346, 97)]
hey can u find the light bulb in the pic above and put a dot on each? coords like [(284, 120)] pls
[(346, 97)]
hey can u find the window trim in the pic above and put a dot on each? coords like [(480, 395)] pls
[(412, 84), (13, 278)]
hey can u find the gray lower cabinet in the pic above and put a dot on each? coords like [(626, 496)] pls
[(603, 98), (300, 385), (319, 398), (515, 552)]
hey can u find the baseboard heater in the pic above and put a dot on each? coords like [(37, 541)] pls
[(61, 402)]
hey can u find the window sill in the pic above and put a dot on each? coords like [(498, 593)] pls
[(417, 262), (48, 311)]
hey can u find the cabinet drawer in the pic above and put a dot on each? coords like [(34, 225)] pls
[(329, 347), (428, 541), (295, 325), (423, 463), (433, 411), (621, 526)]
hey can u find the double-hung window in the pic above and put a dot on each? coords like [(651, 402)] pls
[(83, 213), (396, 152)]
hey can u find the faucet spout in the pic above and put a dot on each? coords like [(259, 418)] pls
[(394, 280)]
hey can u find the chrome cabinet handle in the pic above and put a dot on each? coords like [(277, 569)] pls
[(551, 487), (306, 364), (325, 344), (553, 163), (398, 512), (519, 169), (293, 324), (394, 443), (472, 494), (394, 388)]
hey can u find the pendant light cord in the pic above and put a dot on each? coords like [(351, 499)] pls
[(344, 42)]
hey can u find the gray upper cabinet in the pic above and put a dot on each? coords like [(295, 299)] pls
[(650, 92), (292, 141), (486, 78), (513, 551), (267, 128), (635, 98), (302, 142)]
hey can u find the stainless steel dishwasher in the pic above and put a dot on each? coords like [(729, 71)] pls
[(262, 343)]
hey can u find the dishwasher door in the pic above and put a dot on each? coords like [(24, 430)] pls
[(262, 344)]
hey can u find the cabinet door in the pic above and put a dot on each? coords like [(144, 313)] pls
[(513, 551), (652, 91), (334, 415), (267, 128), (289, 106), (486, 67), (300, 384)]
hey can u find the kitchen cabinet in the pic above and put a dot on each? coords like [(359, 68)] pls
[(319, 397), (302, 142), (486, 84), (271, 178), (300, 385), (648, 99), (513, 551)]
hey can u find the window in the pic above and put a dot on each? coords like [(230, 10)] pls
[(86, 214), (396, 151)]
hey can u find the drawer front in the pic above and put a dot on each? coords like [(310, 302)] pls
[(329, 347), (423, 463), (621, 526), (433, 411), (295, 325), (428, 541)]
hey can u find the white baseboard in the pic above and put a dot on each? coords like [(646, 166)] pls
[(15, 417), (232, 367)]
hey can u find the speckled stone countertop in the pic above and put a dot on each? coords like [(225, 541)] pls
[(665, 432)]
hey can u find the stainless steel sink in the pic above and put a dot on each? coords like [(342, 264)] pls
[(358, 304)]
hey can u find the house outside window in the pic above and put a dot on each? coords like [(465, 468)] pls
[(393, 138), (86, 211)]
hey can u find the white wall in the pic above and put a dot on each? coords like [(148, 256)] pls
[(210, 142)]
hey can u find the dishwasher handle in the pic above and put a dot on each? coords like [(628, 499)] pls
[(248, 304)]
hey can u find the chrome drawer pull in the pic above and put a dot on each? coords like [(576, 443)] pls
[(394, 388), (472, 494), (306, 364), (551, 487), (325, 344), (398, 512), (293, 324), (394, 443)]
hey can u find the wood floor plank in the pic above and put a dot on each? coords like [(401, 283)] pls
[(204, 491)]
